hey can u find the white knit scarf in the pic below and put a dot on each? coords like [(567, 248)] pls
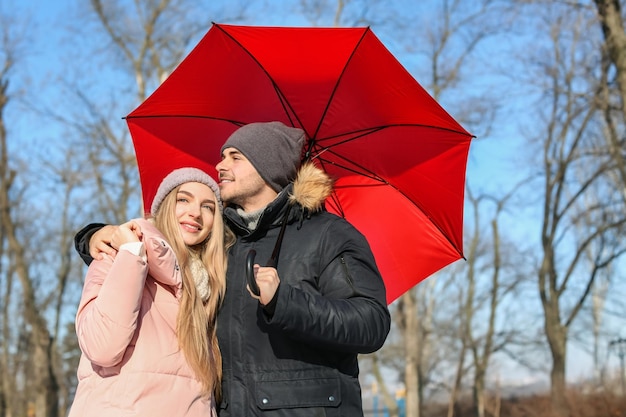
[(200, 278)]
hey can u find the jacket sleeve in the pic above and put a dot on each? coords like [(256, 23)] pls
[(162, 263), (350, 312), (106, 320), (81, 240)]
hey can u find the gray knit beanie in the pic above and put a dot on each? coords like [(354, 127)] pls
[(179, 177), (273, 149)]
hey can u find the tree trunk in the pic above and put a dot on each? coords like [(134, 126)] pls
[(8, 383), (615, 42), (45, 383), (411, 343), (610, 15), (479, 394), (456, 386), (556, 334), (557, 380)]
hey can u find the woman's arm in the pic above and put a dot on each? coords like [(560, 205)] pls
[(107, 314)]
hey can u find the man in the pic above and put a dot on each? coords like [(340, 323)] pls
[(292, 349)]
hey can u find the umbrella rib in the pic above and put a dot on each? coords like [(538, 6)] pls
[(373, 176), (374, 129), (359, 134), (332, 94), (287, 108), (365, 172), (188, 116)]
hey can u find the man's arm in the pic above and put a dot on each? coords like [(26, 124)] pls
[(352, 300), (94, 239)]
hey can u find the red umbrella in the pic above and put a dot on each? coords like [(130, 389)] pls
[(397, 156)]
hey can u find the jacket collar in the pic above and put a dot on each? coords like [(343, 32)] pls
[(271, 216)]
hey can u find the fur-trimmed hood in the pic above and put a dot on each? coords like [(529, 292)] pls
[(311, 187)]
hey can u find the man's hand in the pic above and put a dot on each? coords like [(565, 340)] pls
[(267, 279), (126, 233), (100, 242)]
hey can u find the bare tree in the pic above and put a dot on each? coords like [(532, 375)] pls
[(380, 384), (44, 383), (40, 377), (414, 318), (8, 383), (574, 167), (67, 181), (471, 25), (496, 262), (598, 299), (143, 42)]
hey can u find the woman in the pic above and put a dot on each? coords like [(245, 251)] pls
[(146, 319)]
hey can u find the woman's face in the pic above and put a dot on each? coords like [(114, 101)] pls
[(195, 211)]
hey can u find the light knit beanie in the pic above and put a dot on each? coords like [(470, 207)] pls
[(181, 176), (273, 148)]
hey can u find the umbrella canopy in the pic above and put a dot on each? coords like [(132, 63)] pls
[(397, 156)]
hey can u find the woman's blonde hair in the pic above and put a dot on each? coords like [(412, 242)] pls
[(196, 322)]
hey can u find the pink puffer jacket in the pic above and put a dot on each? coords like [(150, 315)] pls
[(131, 364)]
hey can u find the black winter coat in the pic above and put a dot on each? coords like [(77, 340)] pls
[(331, 305)]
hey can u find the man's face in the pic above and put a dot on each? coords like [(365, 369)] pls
[(240, 183)]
